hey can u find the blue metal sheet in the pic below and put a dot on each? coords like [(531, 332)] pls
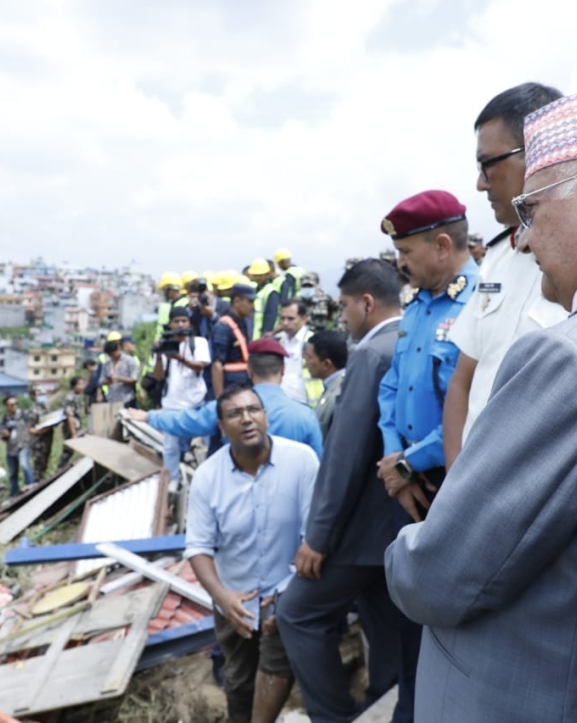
[(27, 555)]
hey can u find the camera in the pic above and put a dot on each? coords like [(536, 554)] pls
[(202, 287), (170, 341)]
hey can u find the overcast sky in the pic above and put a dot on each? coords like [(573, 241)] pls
[(198, 134)]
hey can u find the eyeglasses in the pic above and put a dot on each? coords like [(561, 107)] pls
[(524, 210), (235, 414), (483, 165)]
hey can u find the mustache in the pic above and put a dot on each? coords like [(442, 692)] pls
[(404, 270)]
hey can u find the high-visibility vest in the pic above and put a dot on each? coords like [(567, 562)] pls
[(297, 273), (241, 366), (164, 314), (259, 307), (314, 388)]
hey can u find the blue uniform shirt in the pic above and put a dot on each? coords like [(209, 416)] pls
[(412, 392), (286, 418)]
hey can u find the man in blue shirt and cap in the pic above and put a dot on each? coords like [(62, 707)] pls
[(429, 231)]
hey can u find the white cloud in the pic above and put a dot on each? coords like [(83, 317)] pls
[(193, 134)]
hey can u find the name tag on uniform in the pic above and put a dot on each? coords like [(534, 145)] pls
[(490, 288)]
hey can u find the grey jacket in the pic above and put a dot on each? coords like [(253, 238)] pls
[(350, 514), (326, 405), (493, 569)]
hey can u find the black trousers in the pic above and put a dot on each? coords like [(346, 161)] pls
[(309, 614)]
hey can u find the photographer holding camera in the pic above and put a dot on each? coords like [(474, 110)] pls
[(180, 361)]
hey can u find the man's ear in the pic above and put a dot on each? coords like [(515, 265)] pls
[(444, 244)]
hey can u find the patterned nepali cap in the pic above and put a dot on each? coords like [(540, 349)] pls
[(551, 135)]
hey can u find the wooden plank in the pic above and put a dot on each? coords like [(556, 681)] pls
[(78, 551), (25, 516), (126, 661), (49, 660), (84, 673), (105, 422), (115, 456), (191, 592)]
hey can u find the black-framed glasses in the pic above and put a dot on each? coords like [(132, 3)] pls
[(524, 209), (483, 165), (235, 414)]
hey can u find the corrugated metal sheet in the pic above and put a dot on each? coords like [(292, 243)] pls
[(134, 511)]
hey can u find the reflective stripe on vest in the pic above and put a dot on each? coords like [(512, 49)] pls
[(239, 336), (259, 307), (297, 273)]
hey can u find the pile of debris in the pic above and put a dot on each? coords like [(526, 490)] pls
[(119, 598)]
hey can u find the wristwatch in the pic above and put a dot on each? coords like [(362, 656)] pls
[(403, 467)]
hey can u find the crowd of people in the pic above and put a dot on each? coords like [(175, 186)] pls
[(419, 469), (287, 548)]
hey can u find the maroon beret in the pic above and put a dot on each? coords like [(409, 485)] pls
[(267, 346), (421, 213)]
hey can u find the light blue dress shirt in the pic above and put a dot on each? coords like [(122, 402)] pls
[(252, 526), (286, 418), (412, 392)]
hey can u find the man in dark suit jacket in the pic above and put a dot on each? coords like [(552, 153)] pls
[(325, 356), (340, 561)]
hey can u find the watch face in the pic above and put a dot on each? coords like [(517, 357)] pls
[(403, 469)]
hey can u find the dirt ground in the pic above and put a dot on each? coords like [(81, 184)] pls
[(182, 690)]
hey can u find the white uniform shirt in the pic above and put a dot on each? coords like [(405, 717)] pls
[(507, 303), (185, 387), (293, 383)]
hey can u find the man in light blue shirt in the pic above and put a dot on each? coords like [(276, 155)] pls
[(248, 507), (286, 418)]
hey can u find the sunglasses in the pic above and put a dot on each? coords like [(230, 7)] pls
[(524, 209), (483, 165)]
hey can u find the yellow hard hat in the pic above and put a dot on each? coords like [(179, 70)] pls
[(225, 279), (170, 278), (208, 275), (114, 336), (188, 276), (242, 279), (282, 255), (259, 267)]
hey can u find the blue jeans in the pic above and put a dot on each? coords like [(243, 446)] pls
[(15, 462), (172, 449)]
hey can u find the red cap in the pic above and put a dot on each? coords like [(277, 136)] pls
[(421, 213), (267, 346)]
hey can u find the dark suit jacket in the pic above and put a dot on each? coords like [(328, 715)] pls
[(326, 405), (350, 514)]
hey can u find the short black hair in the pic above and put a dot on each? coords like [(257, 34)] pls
[(231, 391), (74, 381), (374, 277), (512, 105), (89, 363), (265, 365), (111, 346), (299, 303), (330, 344), (8, 397)]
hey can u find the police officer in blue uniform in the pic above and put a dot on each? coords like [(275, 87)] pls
[(429, 231)]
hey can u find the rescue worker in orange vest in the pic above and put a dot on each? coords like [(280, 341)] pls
[(230, 337), (267, 302)]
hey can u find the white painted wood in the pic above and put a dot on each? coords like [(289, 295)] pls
[(24, 516), (134, 562)]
